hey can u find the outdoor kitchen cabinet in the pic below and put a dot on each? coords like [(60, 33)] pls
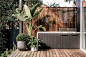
[(65, 40), (57, 41), (60, 41), (74, 41), (44, 38), (50, 40)]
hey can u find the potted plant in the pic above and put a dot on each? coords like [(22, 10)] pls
[(22, 39), (34, 43)]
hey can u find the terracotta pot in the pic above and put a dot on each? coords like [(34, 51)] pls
[(21, 45)]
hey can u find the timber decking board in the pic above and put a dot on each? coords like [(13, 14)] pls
[(13, 53), (49, 53)]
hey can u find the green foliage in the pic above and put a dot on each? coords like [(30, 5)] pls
[(74, 1), (3, 38), (20, 15), (67, 0), (8, 52), (34, 42), (37, 13), (31, 3), (27, 11), (34, 17), (7, 8), (14, 46), (53, 5), (34, 9), (22, 37), (40, 26), (29, 14)]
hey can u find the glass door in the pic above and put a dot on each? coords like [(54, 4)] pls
[(83, 25)]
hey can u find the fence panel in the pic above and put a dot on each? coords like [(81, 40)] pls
[(53, 18)]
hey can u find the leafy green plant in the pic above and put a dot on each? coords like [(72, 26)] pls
[(5, 54), (70, 1), (34, 42), (7, 8), (74, 1), (29, 15), (22, 37), (14, 46), (53, 4), (31, 3), (3, 39), (8, 52)]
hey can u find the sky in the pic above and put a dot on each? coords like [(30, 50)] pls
[(60, 2)]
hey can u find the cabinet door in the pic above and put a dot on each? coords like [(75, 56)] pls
[(50, 41), (74, 41), (40, 36), (64, 41), (57, 41), (45, 41)]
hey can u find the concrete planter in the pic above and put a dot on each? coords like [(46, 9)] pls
[(21, 45), (34, 49)]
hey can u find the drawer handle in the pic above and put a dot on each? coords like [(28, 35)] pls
[(74, 35), (64, 35)]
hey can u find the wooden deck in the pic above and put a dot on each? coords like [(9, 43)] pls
[(50, 53)]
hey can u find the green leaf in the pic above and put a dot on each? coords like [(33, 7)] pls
[(27, 11), (18, 10), (20, 15), (34, 9), (37, 13), (40, 27), (43, 28), (0, 24)]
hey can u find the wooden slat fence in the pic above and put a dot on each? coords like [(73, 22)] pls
[(53, 18)]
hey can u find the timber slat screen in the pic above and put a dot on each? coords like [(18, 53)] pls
[(53, 18)]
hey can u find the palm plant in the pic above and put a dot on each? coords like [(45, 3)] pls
[(29, 15)]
